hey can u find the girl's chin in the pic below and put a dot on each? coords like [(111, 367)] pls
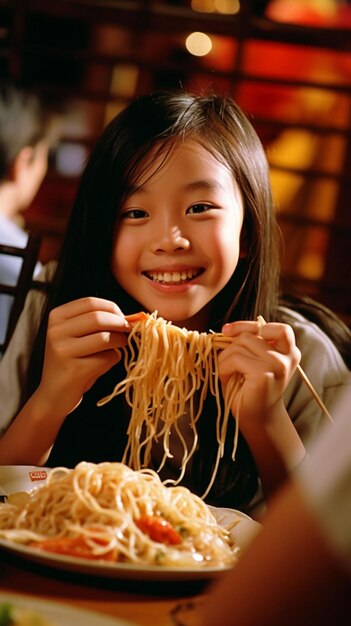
[(190, 319)]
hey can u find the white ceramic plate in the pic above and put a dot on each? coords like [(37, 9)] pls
[(60, 614), (23, 478)]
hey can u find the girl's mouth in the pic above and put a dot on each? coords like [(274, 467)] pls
[(174, 277)]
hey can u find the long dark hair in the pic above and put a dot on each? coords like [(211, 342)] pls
[(156, 121)]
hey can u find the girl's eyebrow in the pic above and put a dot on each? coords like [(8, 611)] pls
[(201, 184)]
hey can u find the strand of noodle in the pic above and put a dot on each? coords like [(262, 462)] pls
[(215, 392), (222, 431), (234, 390), (173, 396), (199, 354)]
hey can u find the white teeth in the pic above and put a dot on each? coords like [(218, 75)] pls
[(173, 277)]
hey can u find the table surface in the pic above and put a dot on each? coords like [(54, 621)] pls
[(143, 603)]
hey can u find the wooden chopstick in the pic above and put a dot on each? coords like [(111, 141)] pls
[(314, 393)]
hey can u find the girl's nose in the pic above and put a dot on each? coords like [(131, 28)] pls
[(171, 240)]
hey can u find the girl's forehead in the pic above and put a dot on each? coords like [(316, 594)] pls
[(162, 154), (184, 166)]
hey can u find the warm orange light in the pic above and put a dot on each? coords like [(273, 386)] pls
[(203, 6), (228, 7)]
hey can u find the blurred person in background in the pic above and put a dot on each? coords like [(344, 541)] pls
[(26, 135), (297, 570)]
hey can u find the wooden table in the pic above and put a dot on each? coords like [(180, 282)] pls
[(143, 603)]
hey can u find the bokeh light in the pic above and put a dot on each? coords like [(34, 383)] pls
[(198, 44)]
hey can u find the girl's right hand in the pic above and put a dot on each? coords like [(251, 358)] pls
[(82, 343)]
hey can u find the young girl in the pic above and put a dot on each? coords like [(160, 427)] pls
[(174, 215)]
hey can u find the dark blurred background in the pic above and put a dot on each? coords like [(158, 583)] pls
[(286, 62)]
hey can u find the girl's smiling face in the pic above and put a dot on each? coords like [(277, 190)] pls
[(177, 239)]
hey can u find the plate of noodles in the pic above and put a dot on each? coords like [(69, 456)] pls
[(21, 610), (111, 521)]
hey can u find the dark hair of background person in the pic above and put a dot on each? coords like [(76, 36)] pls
[(25, 119)]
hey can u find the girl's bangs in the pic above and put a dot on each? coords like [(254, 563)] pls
[(142, 167)]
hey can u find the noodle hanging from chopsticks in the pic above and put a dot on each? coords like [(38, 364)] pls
[(170, 370)]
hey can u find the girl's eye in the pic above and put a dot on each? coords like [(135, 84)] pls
[(200, 207), (134, 214)]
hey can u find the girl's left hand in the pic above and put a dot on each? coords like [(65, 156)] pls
[(266, 358)]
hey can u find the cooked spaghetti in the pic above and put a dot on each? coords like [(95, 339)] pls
[(109, 511), (170, 370)]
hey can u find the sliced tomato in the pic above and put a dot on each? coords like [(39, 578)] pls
[(158, 529), (74, 546)]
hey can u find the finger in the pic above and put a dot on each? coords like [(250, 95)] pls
[(254, 345), (241, 359), (77, 347), (254, 356), (281, 336), (87, 323), (86, 305), (234, 329)]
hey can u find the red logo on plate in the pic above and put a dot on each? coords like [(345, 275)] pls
[(37, 475)]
